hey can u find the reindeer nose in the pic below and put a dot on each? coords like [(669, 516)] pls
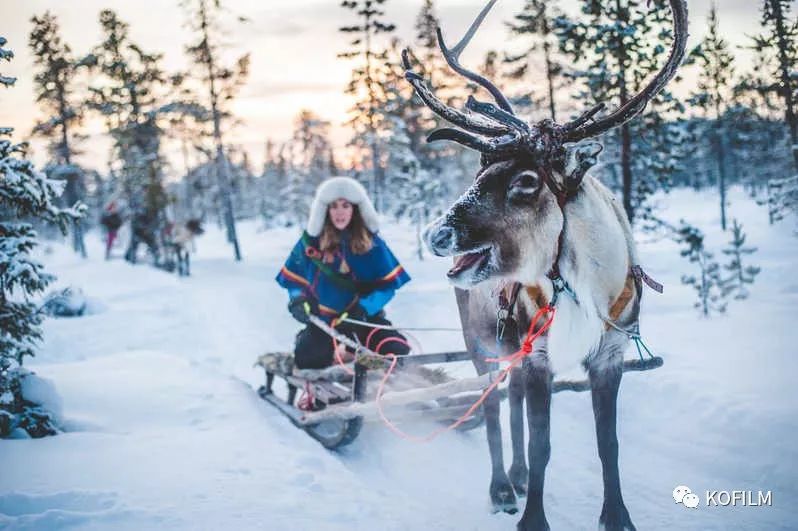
[(441, 240)]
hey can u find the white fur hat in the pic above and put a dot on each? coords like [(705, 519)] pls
[(337, 188)]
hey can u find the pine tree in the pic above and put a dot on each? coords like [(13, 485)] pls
[(708, 284), (127, 95), (417, 193), (25, 194), (221, 83), (739, 275), (365, 84), (782, 197), (54, 83), (314, 153), (712, 96), (780, 40), (311, 160), (616, 47), (536, 21)]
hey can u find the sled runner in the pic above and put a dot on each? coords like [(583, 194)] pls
[(332, 404)]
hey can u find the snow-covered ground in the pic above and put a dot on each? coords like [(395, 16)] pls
[(164, 430)]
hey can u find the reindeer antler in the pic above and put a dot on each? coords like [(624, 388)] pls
[(449, 114), (635, 106), (507, 132), (452, 56)]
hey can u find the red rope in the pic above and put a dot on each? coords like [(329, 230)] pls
[(307, 400), (514, 359)]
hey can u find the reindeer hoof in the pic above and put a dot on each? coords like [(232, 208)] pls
[(502, 497), (519, 477), (615, 518), (533, 522)]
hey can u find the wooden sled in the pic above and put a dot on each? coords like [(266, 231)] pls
[(344, 398)]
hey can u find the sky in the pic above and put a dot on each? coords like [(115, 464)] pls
[(293, 47)]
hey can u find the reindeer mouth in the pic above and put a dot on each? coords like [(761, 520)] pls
[(471, 267)]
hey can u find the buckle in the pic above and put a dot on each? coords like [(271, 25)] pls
[(501, 322)]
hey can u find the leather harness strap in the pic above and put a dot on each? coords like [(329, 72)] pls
[(636, 273)]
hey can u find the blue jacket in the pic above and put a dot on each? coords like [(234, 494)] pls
[(377, 272)]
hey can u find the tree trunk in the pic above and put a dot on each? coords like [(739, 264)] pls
[(376, 175), (626, 134), (720, 150), (626, 170), (73, 181), (550, 79), (222, 168), (786, 82)]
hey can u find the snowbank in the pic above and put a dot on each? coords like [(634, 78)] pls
[(164, 429)]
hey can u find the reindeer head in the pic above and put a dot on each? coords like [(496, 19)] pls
[(509, 221)]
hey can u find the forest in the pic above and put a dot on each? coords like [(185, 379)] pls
[(726, 127)]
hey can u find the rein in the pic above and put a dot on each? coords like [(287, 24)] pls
[(507, 306), (559, 284)]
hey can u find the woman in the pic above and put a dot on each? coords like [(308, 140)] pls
[(112, 219), (339, 268)]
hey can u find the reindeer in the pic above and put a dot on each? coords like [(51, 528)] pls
[(533, 218), (179, 242)]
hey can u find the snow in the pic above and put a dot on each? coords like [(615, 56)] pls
[(43, 391), (163, 429)]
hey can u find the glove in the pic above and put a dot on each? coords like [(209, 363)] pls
[(301, 307), (357, 312)]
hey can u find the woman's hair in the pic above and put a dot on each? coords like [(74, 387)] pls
[(360, 241)]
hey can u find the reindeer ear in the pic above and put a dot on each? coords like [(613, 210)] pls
[(580, 157)]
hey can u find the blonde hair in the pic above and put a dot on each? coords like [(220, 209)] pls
[(330, 238)]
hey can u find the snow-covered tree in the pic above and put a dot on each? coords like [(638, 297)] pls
[(128, 94), (220, 83), (708, 284), (417, 193), (54, 83), (716, 70), (616, 47), (782, 197), (535, 22), (365, 85), (779, 43), (26, 195), (313, 152), (740, 275)]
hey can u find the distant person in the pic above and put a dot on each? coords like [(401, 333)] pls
[(341, 267), (112, 219), (144, 226)]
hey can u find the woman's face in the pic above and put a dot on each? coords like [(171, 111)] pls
[(340, 212)]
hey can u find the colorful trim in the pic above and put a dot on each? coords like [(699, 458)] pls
[(327, 310), (393, 274), (294, 277)]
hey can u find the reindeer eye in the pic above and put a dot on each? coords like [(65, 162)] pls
[(523, 186)]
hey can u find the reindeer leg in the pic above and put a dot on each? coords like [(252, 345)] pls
[(518, 473), (538, 404), (605, 378), (502, 495), (501, 491)]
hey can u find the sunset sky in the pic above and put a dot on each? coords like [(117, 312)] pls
[(293, 48)]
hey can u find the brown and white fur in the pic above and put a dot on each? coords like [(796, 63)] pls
[(532, 211), (511, 212), (181, 243)]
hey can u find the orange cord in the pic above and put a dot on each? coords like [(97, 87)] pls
[(514, 359)]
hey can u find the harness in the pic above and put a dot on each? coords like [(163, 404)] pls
[(361, 287), (506, 321)]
